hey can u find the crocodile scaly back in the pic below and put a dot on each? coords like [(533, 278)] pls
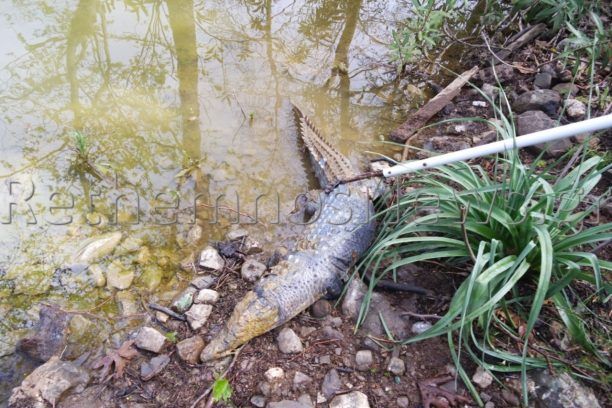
[(329, 164)]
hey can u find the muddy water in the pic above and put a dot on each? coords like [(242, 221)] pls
[(121, 115)]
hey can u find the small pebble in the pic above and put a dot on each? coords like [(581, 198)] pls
[(364, 360), (207, 296), (396, 366), (211, 260), (420, 327), (480, 104), (274, 374), (252, 270), (320, 309), (150, 339), (482, 378), (258, 400), (289, 342)]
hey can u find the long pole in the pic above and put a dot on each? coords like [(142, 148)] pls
[(544, 136)]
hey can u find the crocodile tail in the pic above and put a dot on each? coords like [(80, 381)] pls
[(330, 165)]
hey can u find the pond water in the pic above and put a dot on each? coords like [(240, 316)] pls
[(111, 110)]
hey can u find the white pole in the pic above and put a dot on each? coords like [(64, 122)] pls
[(544, 136)]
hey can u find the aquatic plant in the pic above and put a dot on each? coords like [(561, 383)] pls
[(530, 241)]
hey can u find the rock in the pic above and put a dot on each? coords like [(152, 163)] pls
[(150, 339), (511, 398), (321, 308), (545, 100), (306, 331), (320, 398), (58, 332), (118, 276), (252, 270), (151, 277), (479, 104), (265, 388), (503, 73), (258, 400), (543, 80), (566, 89), (305, 400), (325, 359), (184, 300), (96, 248), (396, 366), (198, 315), (562, 391), (331, 334), (534, 121), (236, 234), (48, 383), (155, 366), (482, 378), (575, 109), (420, 327), (251, 247), (379, 165), (207, 296), (364, 360), (445, 144), (144, 256), (331, 384), (351, 304), (289, 342), (335, 322), (161, 317), (379, 306), (403, 402), (300, 381), (203, 282), (490, 91), (97, 275), (189, 349), (274, 374), (286, 404), (489, 404), (211, 260), (126, 303), (355, 399)]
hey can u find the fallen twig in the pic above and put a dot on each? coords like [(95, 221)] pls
[(167, 311)]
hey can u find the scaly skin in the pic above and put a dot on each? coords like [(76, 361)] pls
[(340, 233)]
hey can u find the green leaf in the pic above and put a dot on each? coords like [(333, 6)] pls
[(221, 390)]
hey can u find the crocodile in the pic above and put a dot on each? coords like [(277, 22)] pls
[(340, 233)]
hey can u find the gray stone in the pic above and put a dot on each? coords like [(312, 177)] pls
[(300, 381), (331, 384), (155, 366), (353, 297), (189, 349), (482, 378), (252, 270), (566, 89), (534, 121), (203, 282), (207, 296), (118, 276), (503, 73), (355, 399), (150, 339), (306, 401), (258, 400), (420, 327), (489, 404), (364, 360), (236, 234), (251, 246), (545, 100), (575, 109), (126, 301), (335, 321), (490, 91), (543, 80), (330, 333), (325, 359), (274, 374), (184, 300), (198, 315), (321, 308), (211, 260), (562, 391), (289, 342), (286, 404), (396, 366), (48, 383), (403, 402)]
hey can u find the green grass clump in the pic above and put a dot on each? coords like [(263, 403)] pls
[(527, 236)]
